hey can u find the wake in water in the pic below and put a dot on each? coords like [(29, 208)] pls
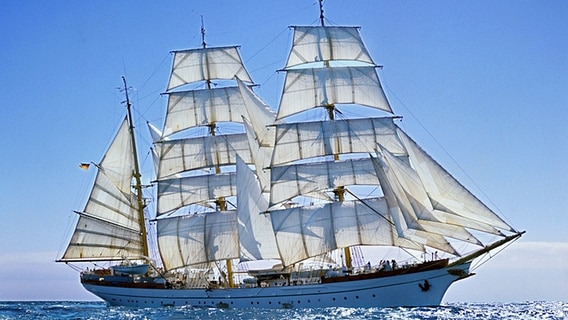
[(99, 310)]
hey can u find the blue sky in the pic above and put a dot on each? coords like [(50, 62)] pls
[(486, 80)]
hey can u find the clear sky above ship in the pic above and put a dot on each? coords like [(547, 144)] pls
[(482, 86)]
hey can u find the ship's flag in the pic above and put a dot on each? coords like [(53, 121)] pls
[(84, 166)]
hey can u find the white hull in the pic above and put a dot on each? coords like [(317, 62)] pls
[(400, 290)]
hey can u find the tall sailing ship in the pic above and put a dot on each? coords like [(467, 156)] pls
[(264, 209)]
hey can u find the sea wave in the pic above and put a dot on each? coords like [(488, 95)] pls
[(99, 310)]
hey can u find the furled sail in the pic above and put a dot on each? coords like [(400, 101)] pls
[(109, 226)]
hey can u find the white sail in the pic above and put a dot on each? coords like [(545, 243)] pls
[(259, 114), (313, 44), (402, 213), (109, 226), (155, 133), (188, 109), (205, 64), (261, 156), (176, 193), (95, 239), (307, 88), (156, 136), (446, 193), (198, 239), (305, 140), (182, 155), (304, 179), (414, 197), (255, 229), (306, 232), (260, 135)]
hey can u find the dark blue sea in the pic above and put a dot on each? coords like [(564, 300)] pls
[(98, 310)]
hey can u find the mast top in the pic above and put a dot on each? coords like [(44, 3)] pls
[(321, 13), (203, 33)]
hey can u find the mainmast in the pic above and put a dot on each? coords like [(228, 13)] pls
[(137, 175)]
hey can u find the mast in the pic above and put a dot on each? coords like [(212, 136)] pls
[(203, 33), (340, 190), (137, 175), (321, 13)]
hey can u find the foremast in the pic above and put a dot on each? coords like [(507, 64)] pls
[(419, 205), (323, 72)]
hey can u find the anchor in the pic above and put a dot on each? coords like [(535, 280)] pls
[(425, 286)]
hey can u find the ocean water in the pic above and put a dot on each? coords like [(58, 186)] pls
[(98, 310)]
